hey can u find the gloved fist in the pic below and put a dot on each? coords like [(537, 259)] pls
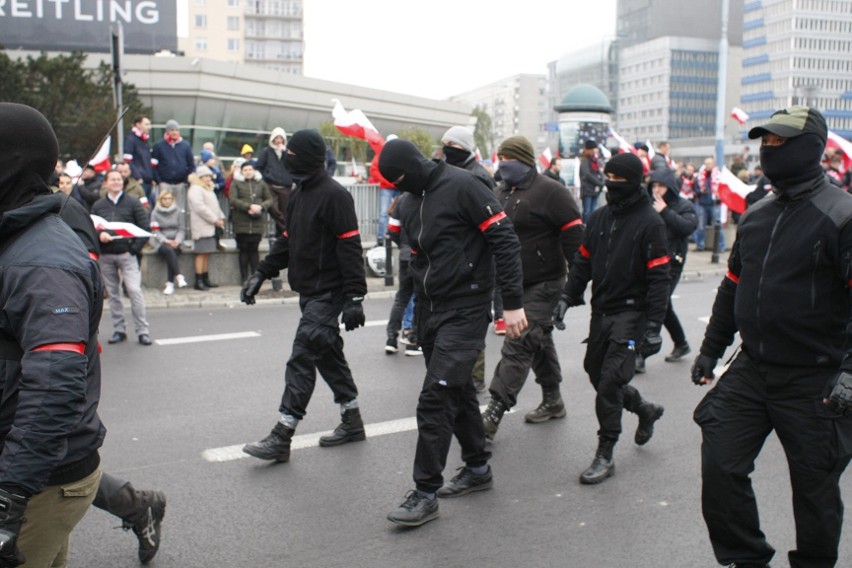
[(565, 302), (251, 287), (840, 399), (11, 516), (353, 313), (703, 369), (651, 341)]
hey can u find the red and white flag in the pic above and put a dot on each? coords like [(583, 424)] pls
[(623, 145), (739, 115), (354, 123), (545, 158), (650, 146), (843, 145), (733, 191), (119, 229), (101, 159)]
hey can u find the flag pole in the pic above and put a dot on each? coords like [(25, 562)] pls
[(101, 143)]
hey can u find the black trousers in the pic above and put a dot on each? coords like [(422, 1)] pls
[(534, 349), (317, 347), (749, 401), (172, 265), (400, 301), (448, 405), (610, 362), (248, 246), (278, 207), (671, 321)]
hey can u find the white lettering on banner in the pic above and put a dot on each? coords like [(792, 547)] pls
[(144, 12)]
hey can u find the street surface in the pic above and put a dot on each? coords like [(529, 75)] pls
[(178, 412)]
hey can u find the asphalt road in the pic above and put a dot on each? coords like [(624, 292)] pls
[(173, 407)]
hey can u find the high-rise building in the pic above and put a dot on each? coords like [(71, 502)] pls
[(261, 32), (638, 21), (797, 52)]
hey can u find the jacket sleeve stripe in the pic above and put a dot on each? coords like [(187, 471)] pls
[(348, 234), (654, 262), (491, 220), (394, 225), (732, 277), (75, 347), (584, 251), (570, 224)]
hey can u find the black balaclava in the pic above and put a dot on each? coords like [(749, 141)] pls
[(629, 167), (308, 153), (28, 153), (455, 156), (401, 157), (794, 162)]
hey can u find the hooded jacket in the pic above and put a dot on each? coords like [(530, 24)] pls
[(679, 215), (271, 164)]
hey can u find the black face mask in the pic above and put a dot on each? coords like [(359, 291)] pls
[(455, 156), (514, 172), (300, 166), (794, 162), (401, 157), (618, 191)]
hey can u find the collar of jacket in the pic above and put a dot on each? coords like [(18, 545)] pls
[(436, 173), (801, 190), (638, 199), (16, 219)]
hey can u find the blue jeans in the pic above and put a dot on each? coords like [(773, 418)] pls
[(708, 214), (385, 198), (408, 314), (590, 203)]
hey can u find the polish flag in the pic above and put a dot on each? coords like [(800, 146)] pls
[(119, 229), (733, 191), (101, 159), (495, 161), (623, 145), (739, 115), (650, 146), (840, 143), (354, 123), (545, 158)]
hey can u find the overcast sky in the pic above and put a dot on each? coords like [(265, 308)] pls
[(440, 48)]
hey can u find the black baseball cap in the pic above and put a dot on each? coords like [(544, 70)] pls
[(793, 121)]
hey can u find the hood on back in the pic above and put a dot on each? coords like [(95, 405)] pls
[(28, 153)]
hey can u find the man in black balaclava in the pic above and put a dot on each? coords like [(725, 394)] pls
[(51, 296), (321, 249), (629, 271), (787, 292), (460, 232)]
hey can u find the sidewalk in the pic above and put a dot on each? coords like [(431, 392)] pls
[(698, 267)]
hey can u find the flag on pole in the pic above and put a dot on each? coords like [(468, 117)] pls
[(101, 160), (650, 146), (121, 230), (841, 144), (733, 191), (623, 145), (545, 158), (354, 123), (739, 115)]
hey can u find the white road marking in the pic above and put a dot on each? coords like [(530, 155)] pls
[(202, 338), (231, 453), (705, 319)]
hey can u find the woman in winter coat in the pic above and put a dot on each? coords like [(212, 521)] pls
[(591, 178), (205, 216), (168, 226), (249, 199)]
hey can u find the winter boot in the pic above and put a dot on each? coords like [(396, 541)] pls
[(551, 407), (351, 429), (492, 417), (206, 276), (276, 446), (648, 414), (602, 466), (200, 284), (142, 512)]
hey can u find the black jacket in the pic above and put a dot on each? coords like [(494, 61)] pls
[(548, 223), (321, 247), (51, 293), (679, 216), (625, 256), (474, 167), (273, 169), (591, 180), (788, 285), (127, 210), (455, 226)]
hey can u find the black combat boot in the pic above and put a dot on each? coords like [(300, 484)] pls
[(648, 414), (141, 511), (551, 407), (206, 276), (602, 466), (350, 429), (492, 417), (276, 446), (200, 284)]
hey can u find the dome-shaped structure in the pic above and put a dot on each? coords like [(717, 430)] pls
[(585, 98)]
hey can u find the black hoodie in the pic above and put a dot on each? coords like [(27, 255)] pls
[(679, 215)]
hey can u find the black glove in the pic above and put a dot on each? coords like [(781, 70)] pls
[(353, 313), (565, 302), (251, 287), (703, 367), (651, 342), (11, 516), (840, 399)]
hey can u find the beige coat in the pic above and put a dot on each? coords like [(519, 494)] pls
[(204, 209)]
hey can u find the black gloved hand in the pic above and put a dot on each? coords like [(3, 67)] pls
[(353, 313), (651, 341), (703, 368), (11, 516), (840, 399), (251, 287), (565, 302)]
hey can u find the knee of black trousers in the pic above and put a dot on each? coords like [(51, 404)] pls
[(319, 338)]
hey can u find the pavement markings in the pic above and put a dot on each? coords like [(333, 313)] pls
[(231, 453), (203, 338)]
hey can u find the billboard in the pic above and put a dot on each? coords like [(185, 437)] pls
[(66, 25)]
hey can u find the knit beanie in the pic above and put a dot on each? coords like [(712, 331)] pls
[(172, 124), (627, 166), (206, 155), (590, 144), (459, 135), (517, 148)]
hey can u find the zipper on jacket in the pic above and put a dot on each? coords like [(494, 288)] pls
[(762, 273), (421, 248), (816, 250)]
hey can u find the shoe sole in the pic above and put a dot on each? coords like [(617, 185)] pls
[(413, 353), (534, 420), (418, 523), (278, 459), (391, 350), (353, 438), (596, 481), (657, 415), (670, 359), (473, 489)]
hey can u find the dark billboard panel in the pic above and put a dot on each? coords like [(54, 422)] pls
[(65, 25)]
